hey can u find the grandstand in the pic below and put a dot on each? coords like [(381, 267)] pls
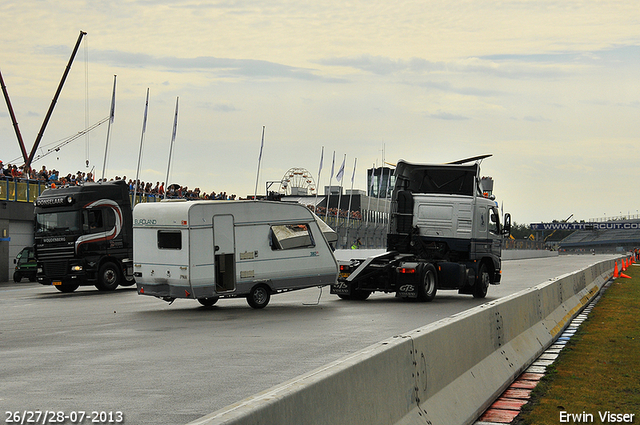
[(614, 236)]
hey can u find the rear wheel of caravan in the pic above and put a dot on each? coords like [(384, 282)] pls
[(208, 302), (429, 284), (482, 282), (259, 296), (108, 277)]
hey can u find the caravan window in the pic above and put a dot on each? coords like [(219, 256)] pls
[(169, 239), (291, 236)]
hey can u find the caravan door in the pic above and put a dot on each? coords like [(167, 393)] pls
[(224, 253)]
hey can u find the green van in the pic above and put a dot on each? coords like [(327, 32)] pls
[(26, 265)]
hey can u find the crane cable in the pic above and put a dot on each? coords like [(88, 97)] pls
[(66, 141)]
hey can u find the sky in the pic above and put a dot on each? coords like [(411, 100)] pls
[(549, 88)]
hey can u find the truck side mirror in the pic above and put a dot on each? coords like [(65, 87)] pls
[(506, 229)]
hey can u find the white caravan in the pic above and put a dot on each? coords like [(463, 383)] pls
[(207, 250)]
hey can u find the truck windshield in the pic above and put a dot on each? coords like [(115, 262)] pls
[(437, 179), (58, 222)]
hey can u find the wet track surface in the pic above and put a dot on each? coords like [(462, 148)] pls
[(170, 364)]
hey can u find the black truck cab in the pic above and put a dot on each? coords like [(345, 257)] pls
[(83, 236)]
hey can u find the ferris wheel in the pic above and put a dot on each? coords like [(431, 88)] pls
[(297, 181)]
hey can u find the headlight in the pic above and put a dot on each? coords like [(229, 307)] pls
[(76, 268)]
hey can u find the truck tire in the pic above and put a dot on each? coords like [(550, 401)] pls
[(483, 280), (428, 284), (208, 302), (17, 277), (67, 288), (108, 277), (360, 294), (259, 296)]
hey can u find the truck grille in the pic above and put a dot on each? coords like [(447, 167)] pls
[(53, 269), (55, 252)]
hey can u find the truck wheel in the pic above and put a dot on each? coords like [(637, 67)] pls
[(360, 294), (108, 277), (429, 286), (17, 277), (259, 296), (482, 283), (208, 302), (67, 287)]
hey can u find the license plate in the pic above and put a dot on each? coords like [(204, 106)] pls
[(57, 282), (345, 275)]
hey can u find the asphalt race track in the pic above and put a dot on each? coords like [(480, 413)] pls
[(92, 351)]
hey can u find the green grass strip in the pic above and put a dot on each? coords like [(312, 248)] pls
[(596, 378)]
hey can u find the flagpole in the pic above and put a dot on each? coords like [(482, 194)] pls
[(386, 192), (340, 179), (370, 195), (111, 118), (333, 162), (173, 139), (255, 192), (350, 196), (315, 206), (144, 127), (379, 192)]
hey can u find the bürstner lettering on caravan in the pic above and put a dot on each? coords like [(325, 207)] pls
[(605, 417)]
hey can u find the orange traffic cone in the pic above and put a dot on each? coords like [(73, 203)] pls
[(625, 264), (615, 271)]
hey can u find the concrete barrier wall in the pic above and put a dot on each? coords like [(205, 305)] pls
[(523, 254), (507, 254), (445, 373)]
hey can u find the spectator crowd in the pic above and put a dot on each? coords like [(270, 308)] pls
[(53, 178)]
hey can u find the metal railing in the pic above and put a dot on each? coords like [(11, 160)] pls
[(20, 190)]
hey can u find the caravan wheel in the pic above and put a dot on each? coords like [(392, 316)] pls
[(259, 296), (208, 302)]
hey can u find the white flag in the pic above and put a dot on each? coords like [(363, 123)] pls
[(333, 163), (341, 170)]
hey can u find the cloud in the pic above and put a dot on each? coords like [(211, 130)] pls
[(220, 107), (536, 118), (223, 67), (380, 65), (502, 66), (620, 54), (440, 115)]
